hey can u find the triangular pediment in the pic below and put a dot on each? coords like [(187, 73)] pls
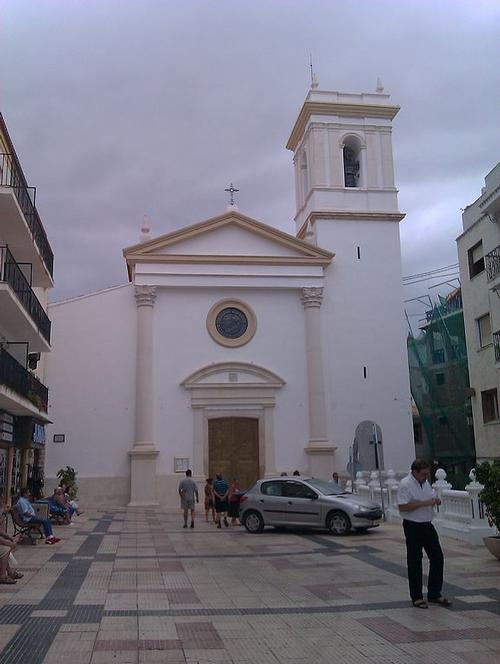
[(231, 237)]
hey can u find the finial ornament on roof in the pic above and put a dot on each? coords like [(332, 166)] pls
[(380, 86), (314, 80), (145, 229)]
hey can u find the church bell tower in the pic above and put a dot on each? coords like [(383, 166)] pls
[(346, 202), (343, 157)]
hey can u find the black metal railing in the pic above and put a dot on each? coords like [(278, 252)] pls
[(492, 263), (14, 376), (11, 273), (12, 176), (496, 345)]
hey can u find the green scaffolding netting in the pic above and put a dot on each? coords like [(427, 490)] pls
[(439, 381)]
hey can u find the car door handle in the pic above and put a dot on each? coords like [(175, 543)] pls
[(290, 502), (261, 500)]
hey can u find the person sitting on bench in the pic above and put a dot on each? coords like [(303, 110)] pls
[(58, 507), (27, 514)]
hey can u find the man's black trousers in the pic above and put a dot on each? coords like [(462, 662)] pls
[(423, 536)]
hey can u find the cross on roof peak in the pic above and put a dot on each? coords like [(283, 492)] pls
[(232, 190)]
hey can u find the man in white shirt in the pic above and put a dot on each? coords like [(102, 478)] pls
[(416, 500)]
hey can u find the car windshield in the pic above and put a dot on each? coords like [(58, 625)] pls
[(325, 488)]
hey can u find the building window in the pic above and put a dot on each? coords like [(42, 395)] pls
[(440, 379), (489, 400), (496, 345), (231, 323), (484, 331), (476, 259)]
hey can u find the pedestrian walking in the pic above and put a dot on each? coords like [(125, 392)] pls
[(209, 499), (416, 500), (188, 490), (221, 490), (234, 502)]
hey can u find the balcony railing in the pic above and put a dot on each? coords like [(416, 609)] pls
[(14, 376), (492, 263), (11, 273), (496, 345), (12, 176)]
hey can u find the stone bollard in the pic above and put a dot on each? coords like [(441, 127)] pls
[(374, 485), (474, 489), (391, 483), (359, 481), (440, 485)]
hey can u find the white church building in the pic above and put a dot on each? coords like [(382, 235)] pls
[(239, 348)]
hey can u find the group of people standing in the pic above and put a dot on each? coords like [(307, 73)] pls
[(222, 499)]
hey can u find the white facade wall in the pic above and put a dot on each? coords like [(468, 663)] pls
[(182, 346), (363, 326), (481, 222), (92, 379), (91, 374)]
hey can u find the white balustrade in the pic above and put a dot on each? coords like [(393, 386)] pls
[(461, 514)]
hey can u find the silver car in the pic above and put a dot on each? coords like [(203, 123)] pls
[(306, 502)]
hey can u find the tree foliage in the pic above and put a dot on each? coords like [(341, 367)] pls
[(488, 474)]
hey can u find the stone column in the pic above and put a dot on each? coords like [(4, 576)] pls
[(319, 451), (270, 460), (143, 453)]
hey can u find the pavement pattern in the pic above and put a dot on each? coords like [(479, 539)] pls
[(129, 587)]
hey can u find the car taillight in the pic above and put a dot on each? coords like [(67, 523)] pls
[(243, 498)]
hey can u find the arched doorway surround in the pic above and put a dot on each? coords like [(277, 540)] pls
[(233, 389)]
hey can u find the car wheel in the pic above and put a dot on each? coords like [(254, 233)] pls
[(253, 522), (338, 523)]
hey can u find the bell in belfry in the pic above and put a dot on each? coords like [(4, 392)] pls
[(351, 167)]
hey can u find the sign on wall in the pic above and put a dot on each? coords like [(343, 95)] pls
[(181, 464)]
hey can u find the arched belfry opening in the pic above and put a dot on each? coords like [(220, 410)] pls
[(351, 153)]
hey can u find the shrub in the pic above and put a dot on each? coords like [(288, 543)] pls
[(488, 474)]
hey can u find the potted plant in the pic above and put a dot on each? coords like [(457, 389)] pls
[(488, 474), (68, 477)]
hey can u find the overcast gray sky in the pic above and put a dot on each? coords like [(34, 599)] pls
[(119, 108)]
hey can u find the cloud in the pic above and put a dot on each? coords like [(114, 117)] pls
[(119, 108)]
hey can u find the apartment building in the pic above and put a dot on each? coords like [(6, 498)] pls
[(479, 260), (26, 274)]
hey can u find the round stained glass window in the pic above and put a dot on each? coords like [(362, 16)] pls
[(231, 323)]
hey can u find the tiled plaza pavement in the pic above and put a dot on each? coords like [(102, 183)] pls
[(124, 588)]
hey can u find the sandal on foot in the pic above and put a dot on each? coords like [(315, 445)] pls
[(420, 604), (442, 601), (16, 575)]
